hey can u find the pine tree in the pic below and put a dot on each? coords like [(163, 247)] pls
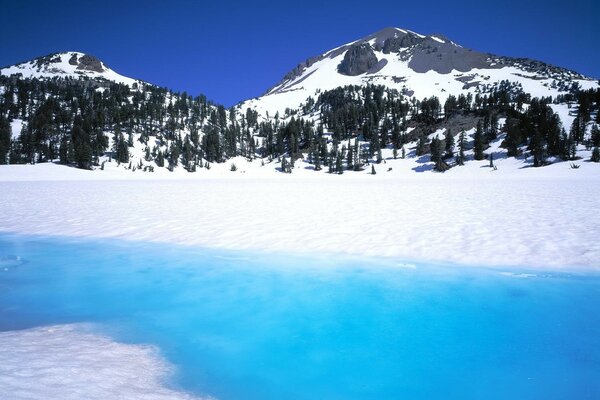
[(461, 149), (350, 157), (595, 135), (122, 150), (317, 158), (577, 130), (449, 144), (160, 159), (493, 131), (63, 151), (5, 139), (538, 149), (595, 154), (82, 150), (478, 144), (338, 164), (513, 138), (422, 145)]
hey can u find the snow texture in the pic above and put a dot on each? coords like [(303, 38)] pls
[(70, 363), (533, 217)]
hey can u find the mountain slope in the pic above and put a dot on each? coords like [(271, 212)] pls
[(417, 66), (71, 108), (418, 102), (69, 64)]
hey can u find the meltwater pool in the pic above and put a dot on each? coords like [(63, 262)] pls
[(262, 326)]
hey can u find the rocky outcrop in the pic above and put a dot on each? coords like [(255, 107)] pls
[(394, 44), (359, 59), (89, 63)]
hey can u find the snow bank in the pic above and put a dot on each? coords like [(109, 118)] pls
[(66, 362), (469, 216)]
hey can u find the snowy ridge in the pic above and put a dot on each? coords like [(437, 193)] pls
[(69, 64), (414, 70)]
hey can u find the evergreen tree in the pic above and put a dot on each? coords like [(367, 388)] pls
[(513, 138), (350, 157), (461, 148), (595, 136), (82, 151), (478, 145), (64, 151), (422, 145), (160, 159), (493, 130), (5, 139), (338, 164), (121, 149), (538, 149), (449, 144)]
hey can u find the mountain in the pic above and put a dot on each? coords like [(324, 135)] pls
[(73, 109), (416, 65), (70, 64), (396, 97)]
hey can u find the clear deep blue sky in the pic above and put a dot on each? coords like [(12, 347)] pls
[(232, 51)]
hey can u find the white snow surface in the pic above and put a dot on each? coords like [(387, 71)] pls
[(69, 362), (544, 218), (63, 69), (16, 126)]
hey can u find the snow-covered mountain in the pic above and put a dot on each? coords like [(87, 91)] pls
[(417, 66), (70, 64), (392, 103)]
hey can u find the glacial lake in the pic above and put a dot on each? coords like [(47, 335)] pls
[(260, 326)]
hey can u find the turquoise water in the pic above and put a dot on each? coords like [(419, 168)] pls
[(263, 326)]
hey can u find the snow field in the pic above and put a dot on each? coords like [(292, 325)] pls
[(67, 362), (472, 215)]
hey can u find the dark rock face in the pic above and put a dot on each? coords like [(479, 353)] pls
[(89, 63), (359, 59), (446, 57), (394, 44), (73, 59)]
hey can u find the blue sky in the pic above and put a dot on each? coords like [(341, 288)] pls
[(232, 51)]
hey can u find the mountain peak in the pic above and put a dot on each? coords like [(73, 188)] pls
[(68, 64)]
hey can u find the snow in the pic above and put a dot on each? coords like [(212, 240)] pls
[(64, 69), (323, 75), (67, 362), (473, 215), (564, 113), (16, 126)]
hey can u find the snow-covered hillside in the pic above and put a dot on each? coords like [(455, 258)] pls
[(380, 99), (416, 65), (70, 64)]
